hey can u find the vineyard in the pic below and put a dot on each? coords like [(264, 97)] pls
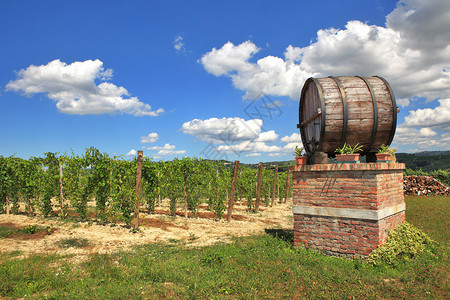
[(100, 188)]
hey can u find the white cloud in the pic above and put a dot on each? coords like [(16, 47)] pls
[(427, 132), (438, 117), (277, 103), (165, 147), (292, 141), (253, 155), (178, 44), (412, 52), (165, 150), (131, 153), (233, 135), (75, 90), (422, 23), (421, 140), (276, 154), (229, 59), (290, 147), (267, 136), (248, 146), (293, 138), (223, 130), (150, 138), (269, 75)]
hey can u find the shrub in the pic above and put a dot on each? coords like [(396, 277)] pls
[(403, 243), (30, 229)]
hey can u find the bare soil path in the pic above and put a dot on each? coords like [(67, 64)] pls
[(157, 227)]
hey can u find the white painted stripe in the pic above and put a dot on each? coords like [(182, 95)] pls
[(366, 214)]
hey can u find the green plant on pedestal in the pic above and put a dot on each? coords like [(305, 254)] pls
[(347, 153), (386, 154), (299, 158)]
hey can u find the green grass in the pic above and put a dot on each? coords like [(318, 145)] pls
[(259, 267), (30, 229), (74, 242), (431, 214), (7, 231)]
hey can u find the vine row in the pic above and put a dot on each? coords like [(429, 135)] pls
[(97, 186)]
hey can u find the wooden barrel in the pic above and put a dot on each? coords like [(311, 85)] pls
[(338, 110)]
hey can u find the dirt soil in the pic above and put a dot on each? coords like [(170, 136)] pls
[(158, 227)]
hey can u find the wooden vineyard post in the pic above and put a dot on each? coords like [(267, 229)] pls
[(240, 188), (217, 192), (233, 191), (185, 199), (278, 193), (61, 196), (274, 186), (258, 188), (286, 195), (159, 190), (7, 204), (7, 196), (138, 190)]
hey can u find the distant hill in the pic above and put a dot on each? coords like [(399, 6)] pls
[(427, 161), (428, 153)]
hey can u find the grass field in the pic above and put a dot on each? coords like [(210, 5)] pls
[(266, 267)]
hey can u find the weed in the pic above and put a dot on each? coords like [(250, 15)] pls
[(135, 230), (174, 241), (74, 242), (192, 236), (30, 229)]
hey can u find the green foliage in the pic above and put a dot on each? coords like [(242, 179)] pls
[(19, 179), (347, 149), (49, 182), (427, 163), (387, 149), (298, 151), (110, 182), (100, 165), (30, 229), (403, 244), (441, 175), (247, 184), (76, 183), (267, 185), (150, 183), (122, 185), (220, 206), (281, 186), (172, 184)]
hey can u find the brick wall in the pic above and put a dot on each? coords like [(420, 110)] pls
[(347, 209)]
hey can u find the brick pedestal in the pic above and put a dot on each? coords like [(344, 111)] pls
[(347, 209)]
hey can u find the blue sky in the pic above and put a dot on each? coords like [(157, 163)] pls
[(184, 78)]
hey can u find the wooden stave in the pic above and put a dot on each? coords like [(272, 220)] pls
[(360, 113)]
